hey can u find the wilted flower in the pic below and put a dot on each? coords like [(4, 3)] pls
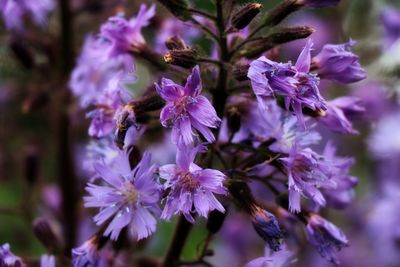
[(129, 196), (125, 35), (295, 84), (186, 108), (325, 236), (337, 115), (192, 188), (8, 259), (338, 63)]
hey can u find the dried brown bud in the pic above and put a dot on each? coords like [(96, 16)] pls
[(240, 71), (175, 43), (44, 232), (245, 15), (186, 58), (280, 12)]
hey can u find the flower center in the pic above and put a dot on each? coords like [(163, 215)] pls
[(189, 182), (129, 193)]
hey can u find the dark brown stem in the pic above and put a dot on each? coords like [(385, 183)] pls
[(202, 13), (178, 242)]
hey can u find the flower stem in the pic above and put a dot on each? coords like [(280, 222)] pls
[(178, 242)]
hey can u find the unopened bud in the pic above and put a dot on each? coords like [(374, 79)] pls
[(44, 232), (175, 43), (280, 12), (186, 58), (240, 71), (285, 35), (234, 119), (125, 119), (179, 8), (245, 15), (267, 228), (215, 221)]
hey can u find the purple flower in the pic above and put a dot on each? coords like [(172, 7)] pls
[(186, 108), (192, 188), (97, 74), (267, 227), (128, 196), (8, 259), (307, 171), (295, 84), (14, 11), (343, 193), (272, 259), (339, 109), (325, 236), (319, 3), (384, 141), (390, 19), (86, 255), (125, 35), (338, 63), (47, 261)]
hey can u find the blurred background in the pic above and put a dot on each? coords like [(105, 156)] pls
[(33, 77)]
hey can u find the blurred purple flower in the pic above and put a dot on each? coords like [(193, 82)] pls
[(390, 19), (339, 110), (325, 236), (87, 255), (47, 261), (8, 259), (13, 12), (192, 188), (297, 86), (268, 228), (307, 171), (338, 63), (186, 108), (384, 141), (125, 35), (272, 259), (128, 196), (342, 194)]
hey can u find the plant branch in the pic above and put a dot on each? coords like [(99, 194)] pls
[(202, 13)]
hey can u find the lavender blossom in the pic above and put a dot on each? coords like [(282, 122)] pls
[(295, 84), (14, 11), (390, 19), (325, 236), (128, 196), (339, 109), (272, 259), (338, 63), (192, 188), (186, 108), (47, 261), (125, 35), (86, 254), (8, 259), (307, 171)]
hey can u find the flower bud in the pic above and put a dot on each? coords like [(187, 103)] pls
[(215, 221), (280, 12), (256, 48), (125, 119), (234, 119), (267, 228), (8, 259), (186, 58), (240, 71), (285, 35), (245, 15), (179, 8), (175, 43), (44, 232)]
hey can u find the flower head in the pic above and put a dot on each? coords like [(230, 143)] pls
[(295, 84), (129, 196), (307, 171), (192, 188), (338, 63), (8, 259), (186, 108), (125, 35), (325, 236), (339, 109)]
